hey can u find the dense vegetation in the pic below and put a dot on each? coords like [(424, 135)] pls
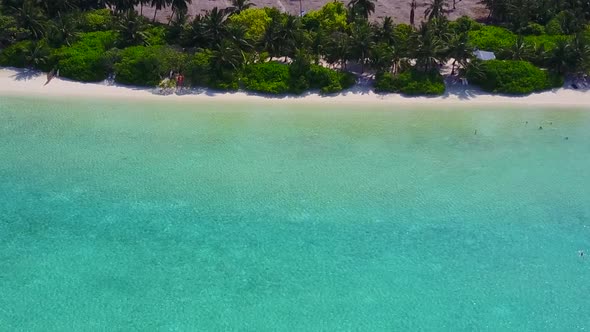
[(512, 77), (537, 43), (411, 82)]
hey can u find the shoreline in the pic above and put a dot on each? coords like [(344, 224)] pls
[(23, 82)]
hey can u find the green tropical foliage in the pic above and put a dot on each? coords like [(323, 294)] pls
[(511, 77), (411, 82), (265, 50)]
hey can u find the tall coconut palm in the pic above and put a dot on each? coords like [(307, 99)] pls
[(413, 7), (141, 4), (337, 49), (558, 59), (427, 49), (459, 50), (238, 6), (520, 50), (215, 26), (131, 28), (37, 54), (381, 57), (361, 41), (385, 32), (364, 8), (272, 40), (178, 6), (226, 55), (436, 9), (292, 34), (30, 17), (581, 53), (159, 5), (63, 28)]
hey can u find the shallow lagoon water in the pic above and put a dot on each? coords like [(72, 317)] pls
[(131, 215)]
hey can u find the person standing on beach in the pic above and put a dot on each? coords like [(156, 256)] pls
[(179, 81)]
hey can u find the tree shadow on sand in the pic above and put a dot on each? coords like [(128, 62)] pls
[(26, 74)]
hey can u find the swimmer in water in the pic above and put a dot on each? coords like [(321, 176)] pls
[(581, 252), (540, 127)]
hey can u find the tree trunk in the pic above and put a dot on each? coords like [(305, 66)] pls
[(172, 15), (155, 12), (141, 9), (362, 62), (453, 70)]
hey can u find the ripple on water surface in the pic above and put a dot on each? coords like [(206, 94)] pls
[(120, 215)]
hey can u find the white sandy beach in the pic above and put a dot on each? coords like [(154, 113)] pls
[(32, 83)]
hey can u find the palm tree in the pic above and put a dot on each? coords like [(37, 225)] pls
[(337, 49), (64, 28), (131, 27), (413, 6), (581, 53), (37, 54), (159, 5), (364, 8), (291, 34), (178, 6), (194, 34), (385, 32), (215, 26), (141, 4), (520, 50), (426, 48), (55, 7), (226, 55), (559, 58), (436, 9), (237, 35), (498, 9), (178, 26), (381, 57), (122, 6), (30, 17), (459, 50), (272, 40), (238, 6), (361, 41)]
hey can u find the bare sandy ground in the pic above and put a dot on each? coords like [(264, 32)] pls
[(399, 10), (19, 82)]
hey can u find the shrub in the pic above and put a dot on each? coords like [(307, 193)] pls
[(147, 65), (511, 77), (534, 29), (155, 35), (198, 69), (15, 54), (85, 59), (255, 20), (97, 20), (553, 27), (492, 38), (266, 77), (333, 16), (10, 31), (411, 82), (464, 24), (328, 80), (26, 53), (548, 42)]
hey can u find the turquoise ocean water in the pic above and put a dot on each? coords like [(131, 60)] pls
[(220, 217)]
